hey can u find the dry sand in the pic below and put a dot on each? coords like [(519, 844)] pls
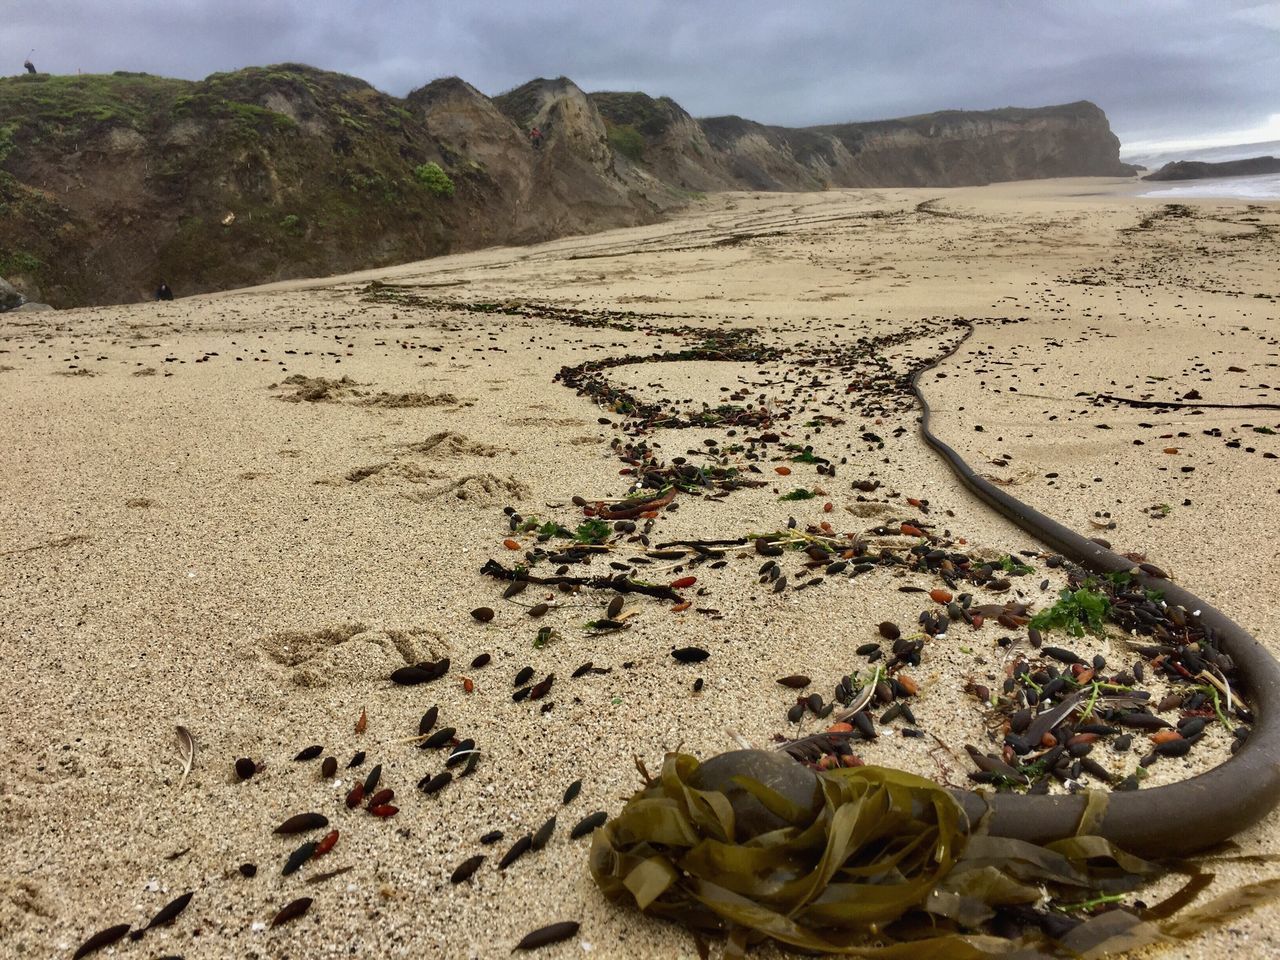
[(179, 545)]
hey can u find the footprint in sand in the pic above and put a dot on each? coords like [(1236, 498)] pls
[(400, 401), (450, 444), (51, 763), (477, 489), (22, 898), (325, 390), (316, 389), (389, 472), (481, 488), (547, 422), (350, 652)]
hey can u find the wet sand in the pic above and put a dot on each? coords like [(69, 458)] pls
[(181, 545)]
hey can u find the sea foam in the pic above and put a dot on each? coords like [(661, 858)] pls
[(1265, 187)]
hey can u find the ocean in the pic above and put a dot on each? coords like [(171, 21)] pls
[(1265, 187)]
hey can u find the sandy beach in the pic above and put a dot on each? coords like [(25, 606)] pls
[(191, 535)]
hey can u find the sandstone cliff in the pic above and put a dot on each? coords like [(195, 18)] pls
[(110, 183)]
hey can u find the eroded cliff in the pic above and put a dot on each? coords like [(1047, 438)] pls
[(110, 183)]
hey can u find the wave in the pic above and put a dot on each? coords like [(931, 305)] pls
[(1266, 187)]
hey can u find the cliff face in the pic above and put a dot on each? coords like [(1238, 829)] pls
[(659, 139), (952, 148), (961, 148), (577, 171), (1197, 169), (115, 182), (109, 183)]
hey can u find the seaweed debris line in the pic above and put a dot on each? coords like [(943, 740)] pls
[(1082, 683), (808, 845)]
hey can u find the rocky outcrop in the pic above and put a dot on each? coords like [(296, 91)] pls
[(108, 183), (661, 146), (577, 167), (1198, 170), (10, 298)]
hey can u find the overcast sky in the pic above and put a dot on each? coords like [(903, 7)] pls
[(1164, 70)]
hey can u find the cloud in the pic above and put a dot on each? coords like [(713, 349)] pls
[(1162, 69), (1265, 133)]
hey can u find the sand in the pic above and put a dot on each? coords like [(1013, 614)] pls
[(179, 544)]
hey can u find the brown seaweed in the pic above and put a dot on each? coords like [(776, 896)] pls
[(465, 869), (291, 911), (882, 856), (103, 938), (302, 822), (571, 792), (552, 933), (543, 836), (517, 850), (169, 912)]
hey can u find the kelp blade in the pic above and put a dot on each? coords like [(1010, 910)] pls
[(885, 866)]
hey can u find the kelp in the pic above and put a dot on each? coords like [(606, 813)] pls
[(884, 864)]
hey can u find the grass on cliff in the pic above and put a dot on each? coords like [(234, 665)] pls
[(246, 118), (36, 106), (319, 169), (626, 140), (7, 143), (649, 117), (63, 110), (521, 104)]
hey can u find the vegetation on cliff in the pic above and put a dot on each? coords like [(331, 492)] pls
[(110, 182)]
